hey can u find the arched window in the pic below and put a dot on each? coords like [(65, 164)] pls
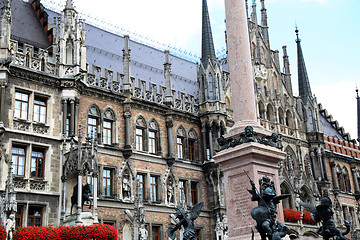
[(311, 120), (340, 178), (287, 203), (269, 112), (180, 143), (140, 134), (281, 116), (211, 87), (218, 87), (204, 88), (69, 52), (93, 122), (288, 119), (346, 180), (261, 110), (192, 142), (108, 127), (42, 64), (27, 59), (153, 141)]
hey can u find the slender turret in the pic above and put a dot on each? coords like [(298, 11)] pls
[(304, 84), (207, 47)]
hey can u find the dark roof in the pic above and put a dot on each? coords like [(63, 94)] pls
[(26, 26)]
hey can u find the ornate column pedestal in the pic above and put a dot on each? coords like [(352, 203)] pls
[(258, 160)]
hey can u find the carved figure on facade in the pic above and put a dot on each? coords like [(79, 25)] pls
[(221, 227), (86, 191), (126, 185), (186, 220), (265, 213), (249, 136), (143, 233), (170, 191), (323, 213), (10, 227)]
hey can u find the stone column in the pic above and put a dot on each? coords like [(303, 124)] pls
[(210, 143), (126, 64), (313, 165), (72, 117), (241, 76), (78, 212), (334, 177), (356, 182), (257, 159), (64, 102), (321, 163), (95, 196), (63, 205), (203, 132), (170, 125), (77, 101)]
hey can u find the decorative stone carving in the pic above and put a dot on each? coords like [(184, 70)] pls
[(170, 191), (20, 183), (260, 72), (38, 185), (21, 125), (40, 128)]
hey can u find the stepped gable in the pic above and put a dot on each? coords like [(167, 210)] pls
[(26, 27), (331, 128)]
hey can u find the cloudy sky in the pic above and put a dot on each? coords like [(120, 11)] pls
[(329, 30)]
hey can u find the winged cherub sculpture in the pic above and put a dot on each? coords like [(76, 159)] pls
[(323, 213), (187, 221)]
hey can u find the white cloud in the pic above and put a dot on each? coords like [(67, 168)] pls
[(339, 100)]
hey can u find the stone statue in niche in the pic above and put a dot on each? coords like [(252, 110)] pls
[(126, 185), (143, 233), (170, 191)]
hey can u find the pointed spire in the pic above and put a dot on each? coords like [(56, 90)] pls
[(69, 5), (253, 13), (167, 75), (207, 47), (287, 70), (303, 80)]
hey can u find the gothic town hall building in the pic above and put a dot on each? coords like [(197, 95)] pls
[(140, 124)]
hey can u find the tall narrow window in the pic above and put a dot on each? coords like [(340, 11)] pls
[(153, 137), (154, 188), (180, 147), (18, 160), (108, 130), (211, 87), (192, 145), (140, 134), (37, 163), (182, 191), (204, 88), (19, 216), (198, 234), (194, 193), (34, 216), (21, 105), (141, 181), (39, 109), (107, 182), (180, 143), (155, 233), (93, 122), (311, 120)]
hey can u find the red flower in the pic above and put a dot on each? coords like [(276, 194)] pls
[(95, 232), (291, 215), (307, 218)]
